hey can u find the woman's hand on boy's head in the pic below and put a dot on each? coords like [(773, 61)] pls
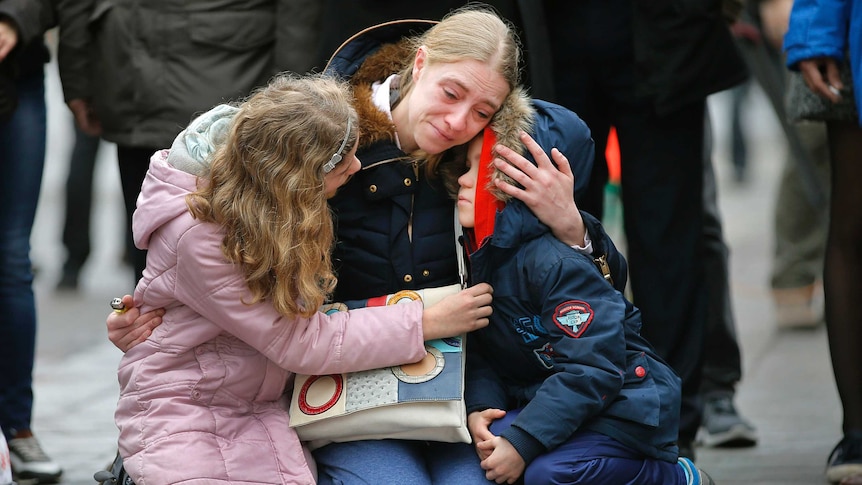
[(127, 329), (548, 188)]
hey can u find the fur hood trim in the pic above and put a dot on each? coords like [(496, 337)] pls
[(375, 125), (516, 115)]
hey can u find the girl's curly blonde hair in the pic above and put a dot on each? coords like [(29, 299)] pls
[(265, 187)]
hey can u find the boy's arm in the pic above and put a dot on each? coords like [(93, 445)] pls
[(584, 316)]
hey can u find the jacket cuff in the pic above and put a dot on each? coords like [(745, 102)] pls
[(525, 444)]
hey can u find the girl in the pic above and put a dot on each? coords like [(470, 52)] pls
[(239, 256)]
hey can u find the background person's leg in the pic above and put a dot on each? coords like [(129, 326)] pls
[(722, 363), (842, 287), (134, 163), (79, 202)]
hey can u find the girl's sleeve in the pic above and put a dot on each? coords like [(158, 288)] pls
[(321, 344)]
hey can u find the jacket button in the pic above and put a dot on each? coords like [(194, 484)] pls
[(196, 395), (372, 188), (640, 371), (426, 273), (408, 182), (408, 278)]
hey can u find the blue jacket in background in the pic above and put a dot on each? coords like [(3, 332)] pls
[(827, 28)]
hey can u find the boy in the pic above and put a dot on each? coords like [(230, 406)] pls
[(561, 387)]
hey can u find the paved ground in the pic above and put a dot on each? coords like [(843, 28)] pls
[(788, 390)]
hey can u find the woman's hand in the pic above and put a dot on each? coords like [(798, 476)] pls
[(548, 191), (127, 329), (462, 312), (822, 76)]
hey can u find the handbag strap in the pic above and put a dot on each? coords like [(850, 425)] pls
[(459, 252)]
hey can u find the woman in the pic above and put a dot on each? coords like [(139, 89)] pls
[(824, 42), (239, 255), (23, 126), (417, 98)]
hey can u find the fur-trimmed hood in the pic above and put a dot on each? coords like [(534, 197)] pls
[(391, 52), (370, 56)]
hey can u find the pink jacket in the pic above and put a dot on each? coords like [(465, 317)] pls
[(201, 401)]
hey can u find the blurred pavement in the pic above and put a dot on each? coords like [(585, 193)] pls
[(787, 391)]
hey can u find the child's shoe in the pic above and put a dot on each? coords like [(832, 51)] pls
[(693, 474)]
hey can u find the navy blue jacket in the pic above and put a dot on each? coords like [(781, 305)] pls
[(565, 345)]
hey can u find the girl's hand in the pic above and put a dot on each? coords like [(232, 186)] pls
[(462, 312), (548, 191), (127, 329)]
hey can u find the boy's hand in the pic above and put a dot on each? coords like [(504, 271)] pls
[(478, 423), (504, 465)]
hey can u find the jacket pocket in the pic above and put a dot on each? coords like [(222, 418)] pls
[(232, 31), (638, 401)]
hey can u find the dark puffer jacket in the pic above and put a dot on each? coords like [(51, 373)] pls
[(150, 66)]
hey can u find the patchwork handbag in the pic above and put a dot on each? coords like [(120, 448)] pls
[(419, 401)]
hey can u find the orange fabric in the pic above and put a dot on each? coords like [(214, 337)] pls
[(485, 204), (612, 154)]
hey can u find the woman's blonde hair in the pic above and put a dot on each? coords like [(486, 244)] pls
[(470, 32), (265, 186)]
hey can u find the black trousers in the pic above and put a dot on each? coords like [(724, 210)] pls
[(722, 361), (662, 180), (134, 163), (79, 201)]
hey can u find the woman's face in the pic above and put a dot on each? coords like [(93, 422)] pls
[(342, 172), (449, 104)]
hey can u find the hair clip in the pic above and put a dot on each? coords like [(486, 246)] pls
[(336, 157)]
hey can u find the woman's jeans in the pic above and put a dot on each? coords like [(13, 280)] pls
[(374, 462), (22, 159)]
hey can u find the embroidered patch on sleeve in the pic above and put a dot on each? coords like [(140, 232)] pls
[(573, 317)]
